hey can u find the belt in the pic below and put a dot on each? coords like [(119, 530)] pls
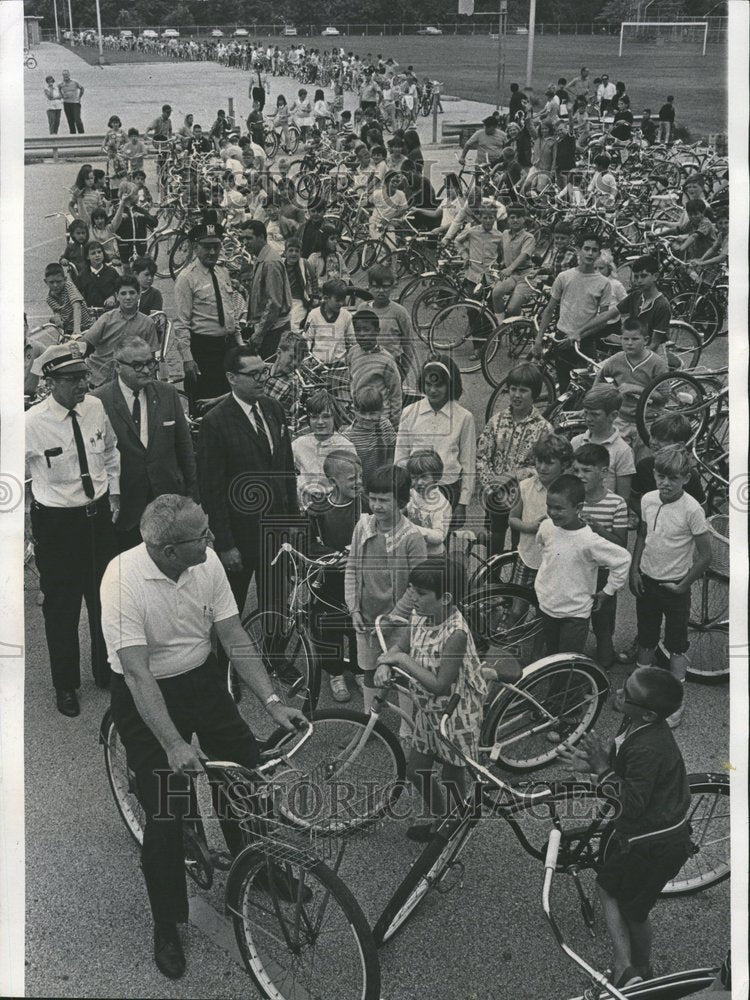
[(90, 509)]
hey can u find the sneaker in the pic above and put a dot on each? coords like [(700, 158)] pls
[(339, 690), (359, 680), (628, 654), (675, 718)]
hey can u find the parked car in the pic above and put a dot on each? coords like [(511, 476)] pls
[(429, 30), (241, 33), (126, 33), (330, 32), (217, 33), (170, 33), (149, 33), (290, 31)]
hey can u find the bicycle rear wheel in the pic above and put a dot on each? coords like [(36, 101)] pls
[(507, 616), (708, 630), (462, 330), (511, 343), (709, 820), (686, 345), (121, 779), (679, 393), (299, 929), (428, 302), (700, 312), (180, 255), (517, 726)]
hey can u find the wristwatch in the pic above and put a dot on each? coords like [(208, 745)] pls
[(272, 699)]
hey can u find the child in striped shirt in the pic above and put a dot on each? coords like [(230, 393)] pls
[(606, 514)]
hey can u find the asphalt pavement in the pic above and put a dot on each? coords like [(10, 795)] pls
[(88, 931)]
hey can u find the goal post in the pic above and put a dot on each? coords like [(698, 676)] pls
[(702, 25)]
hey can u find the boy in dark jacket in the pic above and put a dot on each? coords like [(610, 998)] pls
[(644, 770)]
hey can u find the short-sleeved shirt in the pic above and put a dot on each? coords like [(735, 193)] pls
[(534, 506), (671, 530), (632, 379), (63, 307), (173, 619), (489, 147), (609, 513), (108, 332), (482, 247), (581, 297), (621, 461), (522, 242), (654, 313), (643, 481)]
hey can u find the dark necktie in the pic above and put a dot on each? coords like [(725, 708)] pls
[(217, 293), (261, 425), (137, 410), (88, 486)]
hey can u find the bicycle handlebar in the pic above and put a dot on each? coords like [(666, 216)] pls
[(325, 562), (273, 761)]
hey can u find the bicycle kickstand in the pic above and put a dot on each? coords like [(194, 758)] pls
[(587, 910)]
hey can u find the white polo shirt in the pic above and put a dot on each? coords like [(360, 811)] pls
[(143, 607)]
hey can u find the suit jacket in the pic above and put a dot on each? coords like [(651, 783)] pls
[(244, 488), (167, 465)]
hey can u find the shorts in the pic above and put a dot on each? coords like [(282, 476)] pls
[(635, 874), (523, 575), (656, 604)]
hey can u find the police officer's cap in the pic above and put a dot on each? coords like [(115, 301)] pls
[(207, 232), (59, 359)]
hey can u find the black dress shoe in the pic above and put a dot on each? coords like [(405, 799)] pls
[(67, 703), (168, 953)]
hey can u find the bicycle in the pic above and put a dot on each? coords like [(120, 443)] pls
[(669, 987), (29, 60), (708, 624), (579, 811), (286, 903)]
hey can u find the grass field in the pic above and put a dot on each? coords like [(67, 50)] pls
[(467, 67)]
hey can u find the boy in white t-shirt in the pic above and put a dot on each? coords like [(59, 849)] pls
[(329, 330), (672, 551)]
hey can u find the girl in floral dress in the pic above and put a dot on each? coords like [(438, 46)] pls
[(441, 660)]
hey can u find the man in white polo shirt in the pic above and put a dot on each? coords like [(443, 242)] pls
[(159, 602)]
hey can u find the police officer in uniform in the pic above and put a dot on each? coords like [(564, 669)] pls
[(205, 324), (74, 464)]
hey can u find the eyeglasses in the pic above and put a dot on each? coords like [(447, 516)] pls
[(257, 376), (205, 537), (141, 366)]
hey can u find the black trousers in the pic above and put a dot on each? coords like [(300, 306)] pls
[(127, 538), (208, 353), (259, 95), (330, 627), (73, 115), (197, 704), (270, 343), (72, 551)]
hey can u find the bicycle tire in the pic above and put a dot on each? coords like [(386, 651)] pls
[(462, 330), (292, 141), (31, 62), (709, 819), (686, 345), (494, 618), (159, 248), (678, 392), (499, 401), (428, 303), (180, 255), (270, 144), (708, 630), (571, 689), (511, 343), (700, 312), (498, 569), (121, 779), (288, 655), (425, 874), (357, 975), (374, 775)]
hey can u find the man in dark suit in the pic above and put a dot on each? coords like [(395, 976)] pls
[(153, 437), (246, 478)]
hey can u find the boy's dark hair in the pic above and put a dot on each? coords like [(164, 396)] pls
[(334, 288), (589, 235), (78, 224), (293, 241), (592, 454), (673, 461), (670, 97), (634, 325), (236, 354), (647, 263), (98, 213), (143, 264), (393, 479), (440, 576), (602, 160), (132, 131), (553, 447), (425, 460), (453, 375), (368, 398), (528, 376), (695, 207), (366, 317), (380, 150), (127, 280), (562, 227), (673, 427), (664, 692), (54, 268), (570, 487), (380, 272), (92, 245), (319, 402), (603, 397)]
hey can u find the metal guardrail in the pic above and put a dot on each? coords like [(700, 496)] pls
[(63, 146)]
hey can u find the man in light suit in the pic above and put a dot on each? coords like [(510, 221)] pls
[(153, 437), (246, 477)]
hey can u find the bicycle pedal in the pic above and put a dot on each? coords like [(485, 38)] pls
[(456, 871), (221, 860)]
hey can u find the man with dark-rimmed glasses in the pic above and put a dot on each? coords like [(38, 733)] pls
[(153, 437)]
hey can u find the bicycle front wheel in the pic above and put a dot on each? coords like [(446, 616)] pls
[(300, 930), (708, 630), (180, 255), (121, 779), (685, 345), (557, 702), (428, 302), (430, 868), (511, 343), (709, 822), (701, 312), (462, 330), (679, 393), (507, 616)]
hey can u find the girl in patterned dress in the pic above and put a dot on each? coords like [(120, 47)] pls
[(441, 660)]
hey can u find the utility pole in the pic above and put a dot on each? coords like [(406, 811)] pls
[(99, 33), (57, 26), (530, 43), (70, 22), (501, 50)]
